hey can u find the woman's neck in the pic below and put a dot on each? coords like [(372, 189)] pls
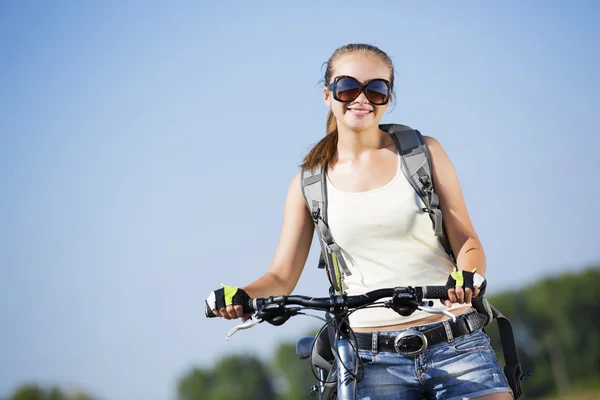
[(354, 143)]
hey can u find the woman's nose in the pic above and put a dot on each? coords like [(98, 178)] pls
[(362, 98)]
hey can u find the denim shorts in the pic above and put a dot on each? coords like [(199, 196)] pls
[(462, 368)]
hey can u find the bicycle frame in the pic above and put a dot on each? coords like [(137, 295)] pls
[(346, 367), (343, 370)]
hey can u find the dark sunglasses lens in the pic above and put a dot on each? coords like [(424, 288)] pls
[(347, 89), (377, 92)]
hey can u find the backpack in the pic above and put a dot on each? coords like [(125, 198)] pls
[(416, 166)]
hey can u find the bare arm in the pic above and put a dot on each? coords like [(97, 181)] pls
[(291, 253), (461, 233)]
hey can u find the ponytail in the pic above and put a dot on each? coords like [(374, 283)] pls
[(324, 152)]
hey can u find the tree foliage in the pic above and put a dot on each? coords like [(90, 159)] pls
[(31, 391), (558, 331), (232, 378), (296, 374)]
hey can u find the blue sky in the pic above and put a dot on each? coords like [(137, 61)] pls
[(146, 150)]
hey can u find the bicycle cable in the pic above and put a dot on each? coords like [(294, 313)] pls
[(339, 332), (352, 340)]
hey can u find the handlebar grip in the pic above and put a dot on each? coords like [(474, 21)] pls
[(435, 292), (248, 309)]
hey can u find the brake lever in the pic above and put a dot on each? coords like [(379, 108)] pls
[(432, 310), (246, 325)]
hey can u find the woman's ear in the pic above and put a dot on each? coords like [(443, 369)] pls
[(327, 97), (391, 103)]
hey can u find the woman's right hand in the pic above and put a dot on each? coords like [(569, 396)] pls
[(291, 254), (228, 302)]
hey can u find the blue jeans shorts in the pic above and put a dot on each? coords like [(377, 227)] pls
[(462, 368)]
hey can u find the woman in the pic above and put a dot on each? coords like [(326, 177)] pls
[(387, 240)]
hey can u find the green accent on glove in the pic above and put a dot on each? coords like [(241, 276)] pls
[(229, 292), (458, 277)]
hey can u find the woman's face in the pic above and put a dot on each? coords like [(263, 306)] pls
[(359, 114)]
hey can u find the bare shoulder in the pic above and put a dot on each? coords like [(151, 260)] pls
[(430, 141), (294, 194), (436, 150), (433, 144), (296, 184)]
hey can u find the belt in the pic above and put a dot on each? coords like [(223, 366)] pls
[(412, 341)]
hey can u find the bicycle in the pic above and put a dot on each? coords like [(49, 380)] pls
[(334, 353)]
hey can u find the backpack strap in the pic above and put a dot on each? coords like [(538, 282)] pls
[(512, 369), (314, 190), (416, 165)]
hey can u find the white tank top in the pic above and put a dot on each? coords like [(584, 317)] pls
[(387, 240)]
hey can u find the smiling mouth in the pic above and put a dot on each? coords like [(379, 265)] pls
[(359, 112)]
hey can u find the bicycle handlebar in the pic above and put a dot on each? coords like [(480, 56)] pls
[(402, 294)]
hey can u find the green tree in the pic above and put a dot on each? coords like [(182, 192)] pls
[(557, 330), (296, 373), (55, 394), (195, 385), (28, 392), (232, 378), (32, 391)]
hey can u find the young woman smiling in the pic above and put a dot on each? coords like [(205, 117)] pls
[(387, 240)]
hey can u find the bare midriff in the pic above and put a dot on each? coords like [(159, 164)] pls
[(422, 321)]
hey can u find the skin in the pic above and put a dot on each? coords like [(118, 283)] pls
[(367, 159)]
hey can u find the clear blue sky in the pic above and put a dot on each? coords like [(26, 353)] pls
[(146, 149)]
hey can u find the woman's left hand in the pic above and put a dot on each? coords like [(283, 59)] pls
[(461, 287)]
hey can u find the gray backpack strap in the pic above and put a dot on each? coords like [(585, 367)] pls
[(416, 165), (314, 190)]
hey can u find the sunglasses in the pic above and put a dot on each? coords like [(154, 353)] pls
[(347, 89)]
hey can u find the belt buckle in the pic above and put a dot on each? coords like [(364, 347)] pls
[(403, 336)]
